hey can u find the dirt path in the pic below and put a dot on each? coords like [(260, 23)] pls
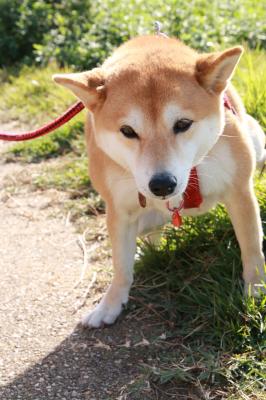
[(44, 353)]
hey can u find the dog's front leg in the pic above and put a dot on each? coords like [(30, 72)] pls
[(243, 209), (122, 233)]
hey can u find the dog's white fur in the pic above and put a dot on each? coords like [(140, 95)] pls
[(148, 84)]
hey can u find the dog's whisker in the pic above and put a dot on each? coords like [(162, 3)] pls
[(230, 136), (121, 179)]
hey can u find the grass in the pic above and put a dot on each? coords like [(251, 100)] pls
[(193, 282), (69, 175), (251, 83), (44, 101), (214, 338), (64, 140), (30, 96)]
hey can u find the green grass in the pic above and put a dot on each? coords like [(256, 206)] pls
[(193, 280), (68, 138), (69, 175), (30, 96), (251, 84)]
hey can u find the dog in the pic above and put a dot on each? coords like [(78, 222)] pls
[(156, 111)]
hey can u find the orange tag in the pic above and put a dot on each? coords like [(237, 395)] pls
[(176, 218)]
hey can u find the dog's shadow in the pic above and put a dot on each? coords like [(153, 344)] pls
[(101, 364), (96, 364), (88, 364)]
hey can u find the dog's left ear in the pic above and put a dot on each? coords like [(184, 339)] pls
[(87, 86), (214, 71)]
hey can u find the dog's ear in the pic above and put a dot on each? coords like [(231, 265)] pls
[(87, 86), (214, 71)]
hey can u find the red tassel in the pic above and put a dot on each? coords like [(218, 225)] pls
[(176, 218)]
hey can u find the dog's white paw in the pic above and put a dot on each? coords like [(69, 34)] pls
[(103, 313)]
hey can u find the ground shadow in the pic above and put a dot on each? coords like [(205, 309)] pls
[(95, 365)]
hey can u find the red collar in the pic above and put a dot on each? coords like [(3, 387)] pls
[(192, 197), (228, 105)]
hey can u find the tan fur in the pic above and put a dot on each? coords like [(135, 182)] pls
[(149, 78)]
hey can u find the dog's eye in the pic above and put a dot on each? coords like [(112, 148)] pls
[(129, 132), (182, 125)]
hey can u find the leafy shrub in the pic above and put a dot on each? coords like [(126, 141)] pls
[(22, 23), (82, 33), (108, 23), (9, 41)]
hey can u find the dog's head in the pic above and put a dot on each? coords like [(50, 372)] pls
[(157, 107)]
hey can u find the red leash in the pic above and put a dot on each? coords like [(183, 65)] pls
[(51, 126)]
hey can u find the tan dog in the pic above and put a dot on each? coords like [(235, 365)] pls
[(155, 111)]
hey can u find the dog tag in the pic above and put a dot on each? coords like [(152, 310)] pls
[(176, 218)]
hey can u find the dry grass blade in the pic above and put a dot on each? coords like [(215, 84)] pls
[(86, 294)]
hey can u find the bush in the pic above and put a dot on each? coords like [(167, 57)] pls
[(108, 23), (22, 23), (82, 33)]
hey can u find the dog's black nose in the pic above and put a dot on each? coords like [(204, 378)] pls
[(162, 184)]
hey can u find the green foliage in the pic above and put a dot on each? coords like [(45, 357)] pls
[(83, 33), (22, 23), (10, 45)]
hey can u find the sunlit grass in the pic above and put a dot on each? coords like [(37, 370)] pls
[(251, 83), (30, 96)]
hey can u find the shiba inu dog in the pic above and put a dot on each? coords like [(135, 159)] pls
[(156, 111)]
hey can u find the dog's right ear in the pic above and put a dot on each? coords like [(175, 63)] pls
[(87, 86)]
